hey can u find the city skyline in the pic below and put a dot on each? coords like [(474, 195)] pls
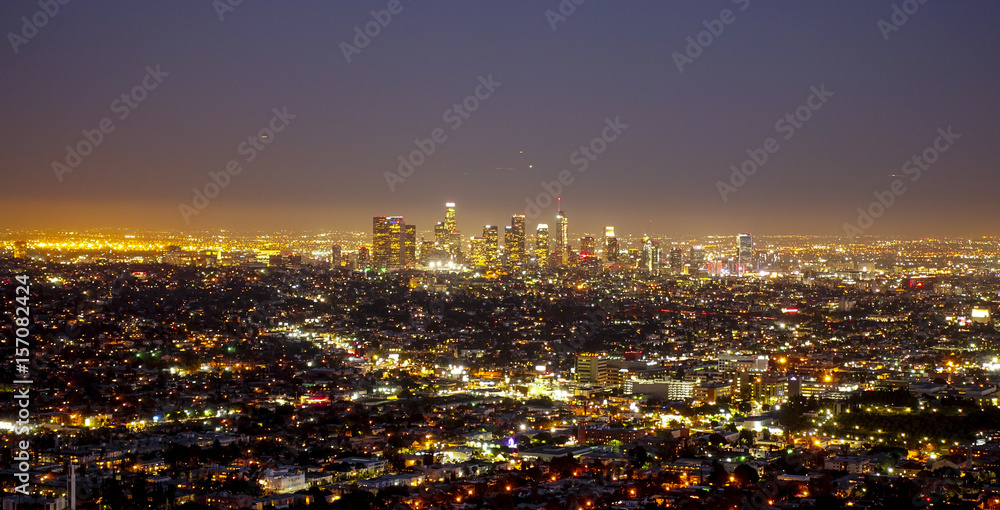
[(517, 255), (606, 95)]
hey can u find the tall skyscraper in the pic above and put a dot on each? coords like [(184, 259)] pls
[(697, 258), (514, 241), (449, 217), (676, 261), (380, 241), (650, 259), (542, 245), (441, 235), (364, 258), (409, 245), (744, 254), (393, 242), (396, 229), (562, 236), (454, 242), (335, 255), (491, 234), (588, 247), (478, 250), (610, 245)]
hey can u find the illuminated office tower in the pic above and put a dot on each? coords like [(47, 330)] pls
[(449, 217), (441, 236), (393, 242), (676, 261), (514, 240), (542, 245), (380, 241), (588, 247), (427, 250), (364, 258), (508, 242), (396, 229), (491, 234), (697, 258), (478, 250), (562, 238), (20, 249), (744, 254), (650, 259), (409, 246), (454, 237), (610, 245), (335, 255), (591, 368)]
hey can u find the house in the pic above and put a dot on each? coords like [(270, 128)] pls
[(849, 464)]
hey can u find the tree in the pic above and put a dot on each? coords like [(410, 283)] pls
[(638, 456), (745, 475)]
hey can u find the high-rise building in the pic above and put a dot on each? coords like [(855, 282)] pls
[(491, 234), (591, 368), (588, 247), (364, 258), (542, 245), (697, 259), (562, 237), (393, 242), (744, 254), (610, 245), (441, 235), (676, 261), (514, 241), (650, 259), (479, 252), (396, 227), (454, 236), (409, 245), (335, 255), (449, 217), (380, 241)]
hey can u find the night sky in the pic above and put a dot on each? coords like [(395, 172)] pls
[(326, 168)]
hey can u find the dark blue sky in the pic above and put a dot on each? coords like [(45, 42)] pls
[(608, 59)]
